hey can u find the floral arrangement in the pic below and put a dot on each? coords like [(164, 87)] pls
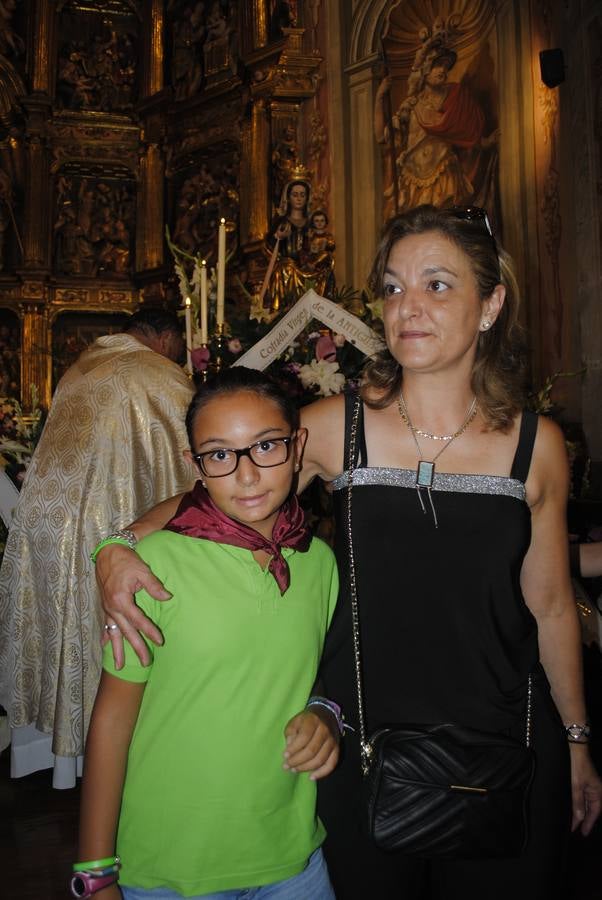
[(19, 434), (318, 363)]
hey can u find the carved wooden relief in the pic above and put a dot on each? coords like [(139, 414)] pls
[(94, 224), (98, 56)]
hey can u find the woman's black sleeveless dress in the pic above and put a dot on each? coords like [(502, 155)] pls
[(446, 636)]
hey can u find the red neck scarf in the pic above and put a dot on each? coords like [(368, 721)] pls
[(198, 516)]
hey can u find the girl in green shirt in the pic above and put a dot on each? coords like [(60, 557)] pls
[(200, 770)]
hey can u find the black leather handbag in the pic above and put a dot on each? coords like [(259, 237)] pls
[(439, 790)]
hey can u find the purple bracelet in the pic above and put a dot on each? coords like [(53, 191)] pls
[(334, 708)]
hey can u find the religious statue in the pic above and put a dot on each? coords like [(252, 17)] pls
[(437, 138), (301, 248)]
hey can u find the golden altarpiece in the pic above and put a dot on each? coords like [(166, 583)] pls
[(119, 117)]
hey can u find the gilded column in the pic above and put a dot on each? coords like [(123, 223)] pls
[(260, 23), (259, 166), (154, 69), (36, 368), (150, 209), (36, 237), (42, 39)]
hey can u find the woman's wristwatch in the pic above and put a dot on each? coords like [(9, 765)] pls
[(578, 734)]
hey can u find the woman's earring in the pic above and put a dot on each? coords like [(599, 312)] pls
[(485, 325)]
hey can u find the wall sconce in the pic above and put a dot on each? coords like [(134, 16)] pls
[(551, 65)]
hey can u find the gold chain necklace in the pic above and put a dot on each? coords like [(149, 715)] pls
[(425, 471)]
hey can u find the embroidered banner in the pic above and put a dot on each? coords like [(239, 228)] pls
[(310, 306)]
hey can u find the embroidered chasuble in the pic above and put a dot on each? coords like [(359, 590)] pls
[(111, 449)]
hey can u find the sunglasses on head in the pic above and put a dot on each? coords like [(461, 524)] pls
[(472, 214)]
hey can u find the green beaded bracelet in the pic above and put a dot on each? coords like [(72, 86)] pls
[(97, 864)]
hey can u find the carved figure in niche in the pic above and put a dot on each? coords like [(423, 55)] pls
[(7, 215), (189, 33), (292, 233), (220, 48), (285, 157), (217, 23), (75, 87), (442, 155), (283, 14), (10, 42), (98, 73), (74, 254), (114, 255)]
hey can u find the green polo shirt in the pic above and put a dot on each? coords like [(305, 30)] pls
[(206, 804)]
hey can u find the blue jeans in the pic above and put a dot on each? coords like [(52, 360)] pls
[(312, 883)]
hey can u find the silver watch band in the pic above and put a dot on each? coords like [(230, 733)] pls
[(124, 534)]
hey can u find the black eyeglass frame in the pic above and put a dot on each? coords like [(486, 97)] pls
[(245, 451)]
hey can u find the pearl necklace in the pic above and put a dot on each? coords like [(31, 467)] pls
[(425, 471)]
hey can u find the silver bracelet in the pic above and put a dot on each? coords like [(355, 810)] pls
[(577, 734), (126, 534)]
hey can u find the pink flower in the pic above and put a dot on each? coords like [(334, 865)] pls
[(326, 348), (234, 345), (200, 358)]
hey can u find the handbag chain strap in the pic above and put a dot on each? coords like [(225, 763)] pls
[(365, 745), (366, 749)]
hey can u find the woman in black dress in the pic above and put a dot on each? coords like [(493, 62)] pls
[(463, 584)]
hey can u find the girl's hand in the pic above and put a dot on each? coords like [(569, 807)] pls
[(120, 573), (586, 789), (312, 743)]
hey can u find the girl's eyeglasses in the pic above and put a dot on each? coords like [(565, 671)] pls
[(224, 460)]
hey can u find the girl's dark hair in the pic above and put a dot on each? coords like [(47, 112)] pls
[(233, 380), (498, 375)]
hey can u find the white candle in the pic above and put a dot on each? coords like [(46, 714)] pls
[(221, 272), (188, 317), (204, 329)]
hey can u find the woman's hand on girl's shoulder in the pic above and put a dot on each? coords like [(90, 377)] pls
[(323, 454), (312, 743), (120, 573)]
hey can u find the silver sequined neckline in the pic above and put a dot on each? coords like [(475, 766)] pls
[(498, 485)]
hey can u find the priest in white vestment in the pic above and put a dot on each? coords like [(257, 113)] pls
[(111, 449)]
